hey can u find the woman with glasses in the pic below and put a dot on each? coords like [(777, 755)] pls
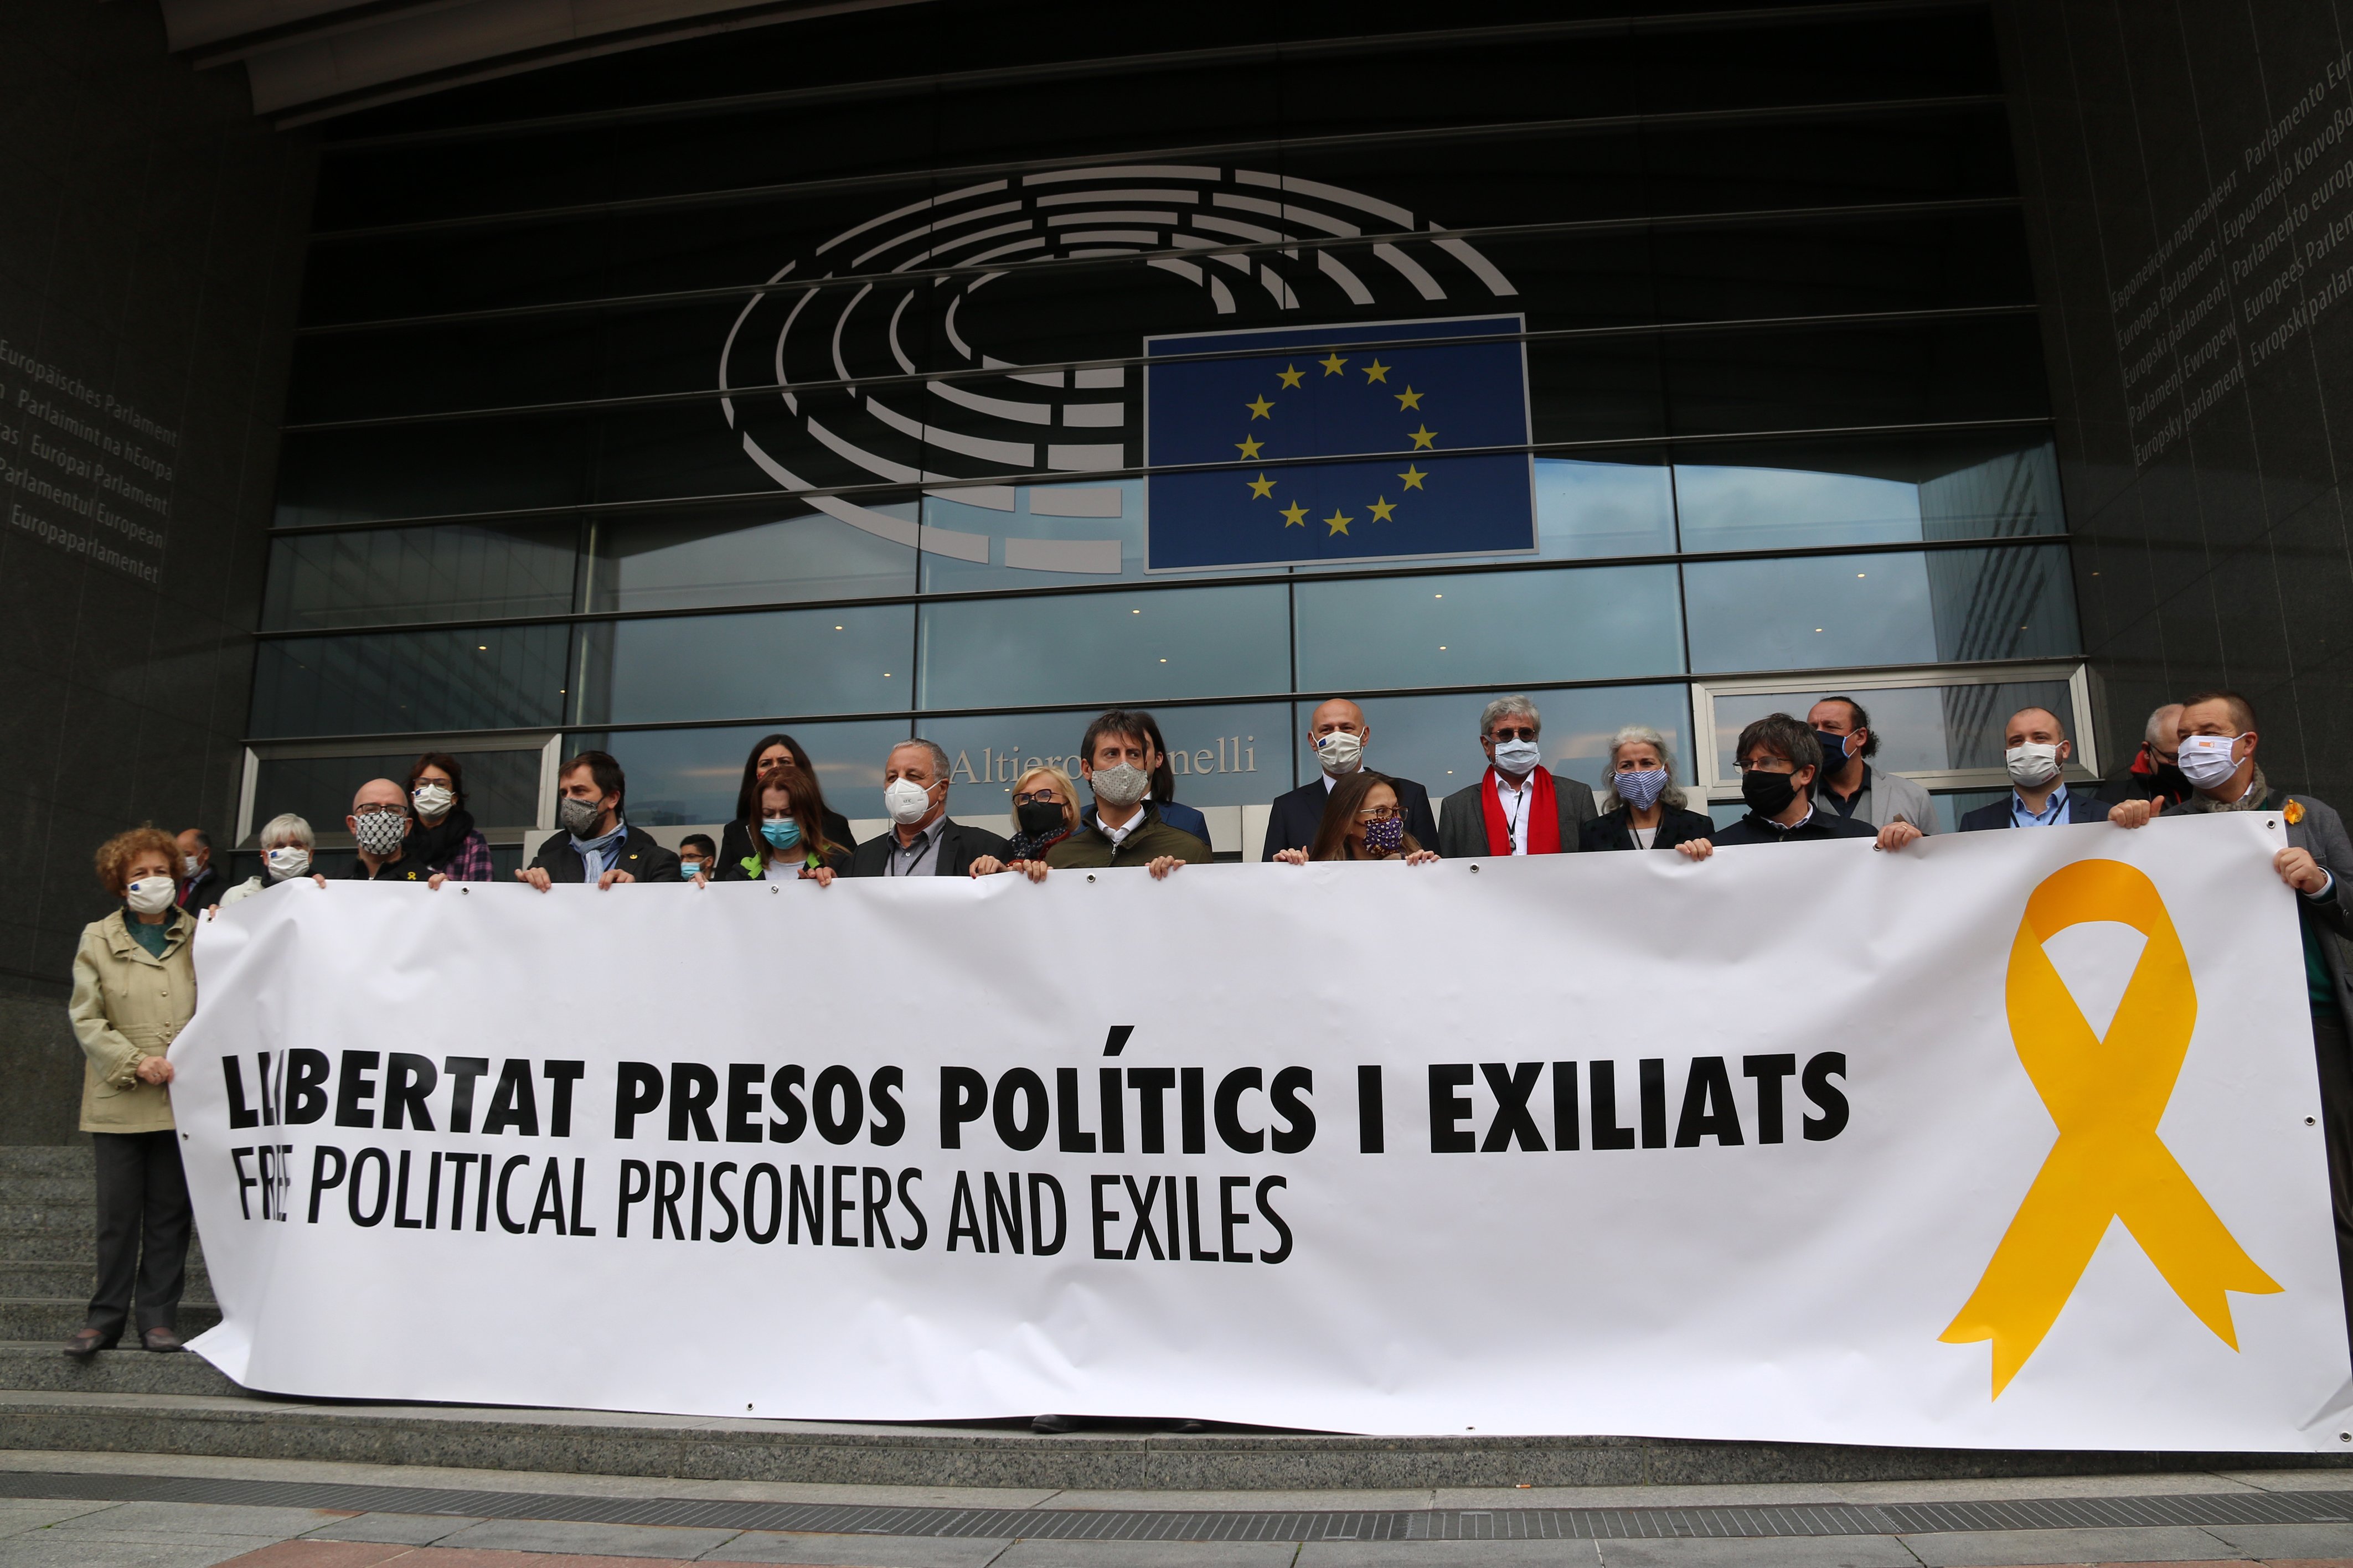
[(735, 841), (1644, 808), (792, 836), (1363, 821), (1045, 811), (444, 837)]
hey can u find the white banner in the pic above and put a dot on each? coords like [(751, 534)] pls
[(1810, 1143)]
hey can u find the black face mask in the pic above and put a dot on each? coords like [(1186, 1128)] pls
[(1768, 794), (1039, 818), (1834, 753)]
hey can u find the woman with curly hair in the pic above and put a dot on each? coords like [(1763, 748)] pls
[(134, 989)]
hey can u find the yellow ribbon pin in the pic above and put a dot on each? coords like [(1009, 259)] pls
[(2107, 1094)]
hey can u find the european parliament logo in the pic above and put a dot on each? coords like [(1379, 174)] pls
[(1381, 423)]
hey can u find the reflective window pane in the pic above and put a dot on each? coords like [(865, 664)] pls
[(1434, 740), (323, 580), (679, 776), (1587, 624), (1131, 646), (501, 787), (1830, 612), (1223, 754), (1918, 728), (699, 559), (783, 662), (495, 678), (1776, 495)]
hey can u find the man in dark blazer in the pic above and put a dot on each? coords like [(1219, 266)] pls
[(1505, 812), (2036, 748), (923, 841), (597, 843), (1338, 732)]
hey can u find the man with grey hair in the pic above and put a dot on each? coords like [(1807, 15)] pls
[(1518, 806), (923, 841), (2156, 772)]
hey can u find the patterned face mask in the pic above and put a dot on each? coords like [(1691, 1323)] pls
[(1384, 835), (380, 832)]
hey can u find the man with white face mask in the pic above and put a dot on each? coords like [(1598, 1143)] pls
[(922, 840), (2036, 750), (1518, 806), (2218, 739), (1337, 731), (1115, 759)]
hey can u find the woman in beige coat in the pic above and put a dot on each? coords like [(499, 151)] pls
[(134, 989)]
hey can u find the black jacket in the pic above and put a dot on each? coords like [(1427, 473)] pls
[(640, 854), (1295, 817), (407, 868), (737, 841), (203, 890), (1751, 829), (1608, 831), (960, 846)]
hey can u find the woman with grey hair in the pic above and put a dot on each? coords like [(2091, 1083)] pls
[(287, 847), (1644, 808)]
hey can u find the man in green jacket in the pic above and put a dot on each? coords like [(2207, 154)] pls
[(1125, 830)]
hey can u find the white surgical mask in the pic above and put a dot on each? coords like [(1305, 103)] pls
[(1339, 752), (2206, 760), (188, 863), (906, 801), (149, 894), (1120, 787), (2033, 764), (434, 799), (287, 860), (1518, 757)]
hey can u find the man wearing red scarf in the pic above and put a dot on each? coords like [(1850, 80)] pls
[(1518, 806)]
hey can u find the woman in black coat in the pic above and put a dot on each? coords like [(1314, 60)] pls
[(736, 842), (1643, 808)]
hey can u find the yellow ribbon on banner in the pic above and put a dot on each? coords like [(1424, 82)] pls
[(2107, 1094)]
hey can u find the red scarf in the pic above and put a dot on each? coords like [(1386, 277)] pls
[(1543, 826)]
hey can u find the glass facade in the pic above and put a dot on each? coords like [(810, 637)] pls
[(668, 403)]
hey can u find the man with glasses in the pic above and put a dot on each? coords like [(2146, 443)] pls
[(1780, 761), (923, 841), (379, 825), (1517, 807)]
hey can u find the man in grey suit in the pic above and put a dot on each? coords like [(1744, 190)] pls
[(2218, 755), (1850, 787), (1517, 807)]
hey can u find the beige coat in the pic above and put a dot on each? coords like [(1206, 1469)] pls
[(127, 1006)]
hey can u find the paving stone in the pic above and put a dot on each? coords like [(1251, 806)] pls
[(545, 1535), (50, 1548), (853, 1551), (2286, 1540), (400, 1529), (1450, 1554), (313, 1554), (1990, 1548), (1784, 1551), (203, 1519), (1147, 1554), (38, 1513)]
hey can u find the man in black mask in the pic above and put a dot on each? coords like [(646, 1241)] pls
[(2156, 772), (1780, 760)]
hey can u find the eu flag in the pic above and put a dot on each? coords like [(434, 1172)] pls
[(1387, 418)]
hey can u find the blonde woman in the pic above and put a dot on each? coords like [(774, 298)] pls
[(134, 989), (1045, 811)]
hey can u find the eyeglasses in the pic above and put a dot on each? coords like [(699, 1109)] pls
[(379, 811), (1509, 732), (1037, 798), (1379, 814)]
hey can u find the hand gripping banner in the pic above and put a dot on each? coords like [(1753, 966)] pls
[(2107, 1094), (1615, 1144)]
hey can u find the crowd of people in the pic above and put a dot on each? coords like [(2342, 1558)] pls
[(1801, 780)]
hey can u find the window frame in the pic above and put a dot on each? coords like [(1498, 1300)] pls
[(457, 743)]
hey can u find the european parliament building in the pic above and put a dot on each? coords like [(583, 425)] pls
[(399, 377)]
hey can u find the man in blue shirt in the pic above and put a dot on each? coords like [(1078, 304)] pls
[(2036, 749)]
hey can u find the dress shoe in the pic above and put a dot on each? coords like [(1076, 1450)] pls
[(160, 1340), (86, 1343)]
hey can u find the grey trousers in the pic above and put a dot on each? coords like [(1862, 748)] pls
[(143, 1221)]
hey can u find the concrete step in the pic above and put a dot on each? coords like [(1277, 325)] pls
[(70, 1219), (1121, 1456), (74, 1278), (48, 1245), (51, 1192), (54, 1317), (44, 1160), (41, 1365)]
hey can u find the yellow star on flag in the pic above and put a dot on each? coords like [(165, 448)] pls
[(1247, 448), (1295, 516), (1424, 437), (1290, 375), (1339, 524), (1407, 399), (1381, 508), (1259, 409), (1412, 477), (1376, 370), (1261, 488), (1332, 366)]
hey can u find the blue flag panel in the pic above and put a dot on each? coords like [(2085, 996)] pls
[(1386, 418)]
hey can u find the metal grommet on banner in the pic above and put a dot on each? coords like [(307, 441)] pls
[(775, 888), (2311, 1122), (463, 888), (1091, 876), (1474, 868)]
